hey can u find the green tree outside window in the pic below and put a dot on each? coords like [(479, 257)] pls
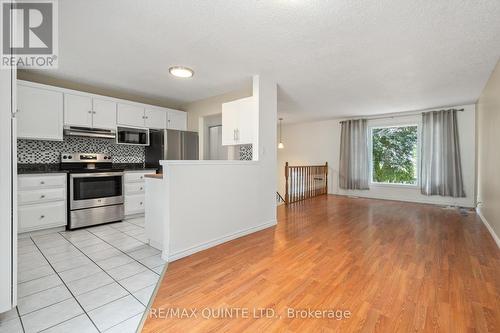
[(394, 155)]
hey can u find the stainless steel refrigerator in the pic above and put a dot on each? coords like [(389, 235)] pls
[(170, 145)]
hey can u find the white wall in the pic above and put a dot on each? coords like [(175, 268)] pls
[(199, 111), (210, 106), (8, 244), (488, 121), (318, 142), (209, 202)]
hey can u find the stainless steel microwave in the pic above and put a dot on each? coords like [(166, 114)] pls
[(132, 136)]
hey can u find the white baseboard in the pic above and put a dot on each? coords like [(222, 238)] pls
[(184, 253), (488, 226)]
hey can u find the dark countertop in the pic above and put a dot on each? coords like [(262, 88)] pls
[(132, 166), (24, 168), (27, 168)]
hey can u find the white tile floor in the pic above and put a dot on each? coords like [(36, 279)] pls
[(98, 279)]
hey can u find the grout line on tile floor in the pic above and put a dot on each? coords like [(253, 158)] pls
[(126, 252), (64, 283), (19, 318), (46, 306), (130, 293), (62, 322)]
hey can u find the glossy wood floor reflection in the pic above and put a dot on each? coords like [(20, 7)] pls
[(397, 267)]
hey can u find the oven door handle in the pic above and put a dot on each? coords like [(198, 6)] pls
[(96, 174)]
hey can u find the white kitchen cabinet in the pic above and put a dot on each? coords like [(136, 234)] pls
[(176, 120), (41, 201), (238, 122), (155, 118), (77, 110), (86, 111), (130, 115), (134, 191), (104, 113), (39, 113), (45, 110)]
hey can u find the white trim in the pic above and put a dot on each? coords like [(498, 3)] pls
[(488, 226), (203, 246)]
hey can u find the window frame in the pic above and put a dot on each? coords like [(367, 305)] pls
[(370, 153)]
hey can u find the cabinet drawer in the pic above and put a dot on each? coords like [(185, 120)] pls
[(134, 188), (41, 216), (133, 177), (41, 181), (42, 195), (134, 204)]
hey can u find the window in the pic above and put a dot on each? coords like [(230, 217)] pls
[(394, 155)]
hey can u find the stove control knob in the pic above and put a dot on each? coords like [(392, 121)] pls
[(105, 157), (65, 157), (70, 157)]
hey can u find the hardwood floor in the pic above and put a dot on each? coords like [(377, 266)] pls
[(396, 267)]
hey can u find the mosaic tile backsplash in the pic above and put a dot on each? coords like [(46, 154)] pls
[(40, 151), (246, 152)]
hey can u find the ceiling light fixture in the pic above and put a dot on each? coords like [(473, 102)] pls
[(280, 144), (180, 71)]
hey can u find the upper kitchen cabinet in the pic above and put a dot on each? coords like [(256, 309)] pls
[(40, 113), (77, 110), (88, 111), (155, 118), (238, 122), (130, 115), (151, 117), (176, 120), (103, 113)]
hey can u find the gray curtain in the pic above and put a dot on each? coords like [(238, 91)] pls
[(354, 168), (440, 170)]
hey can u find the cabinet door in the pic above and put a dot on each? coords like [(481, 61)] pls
[(104, 115), (238, 121), (229, 123), (130, 115), (246, 121), (77, 110), (177, 120), (40, 113), (155, 118)]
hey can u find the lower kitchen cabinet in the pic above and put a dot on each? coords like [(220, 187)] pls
[(134, 191), (41, 201)]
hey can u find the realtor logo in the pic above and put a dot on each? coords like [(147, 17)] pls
[(29, 34)]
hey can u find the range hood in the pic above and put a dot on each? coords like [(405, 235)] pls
[(89, 132)]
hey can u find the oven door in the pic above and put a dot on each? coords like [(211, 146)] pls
[(95, 189)]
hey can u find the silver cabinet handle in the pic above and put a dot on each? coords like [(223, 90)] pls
[(234, 134), (90, 111), (93, 112)]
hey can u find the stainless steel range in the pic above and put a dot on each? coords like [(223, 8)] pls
[(95, 189)]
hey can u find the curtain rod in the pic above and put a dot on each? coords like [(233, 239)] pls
[(403, 115)]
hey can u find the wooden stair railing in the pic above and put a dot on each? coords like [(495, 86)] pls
[(305, 181)]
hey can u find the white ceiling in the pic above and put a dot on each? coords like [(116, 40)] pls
[(330, 58)]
